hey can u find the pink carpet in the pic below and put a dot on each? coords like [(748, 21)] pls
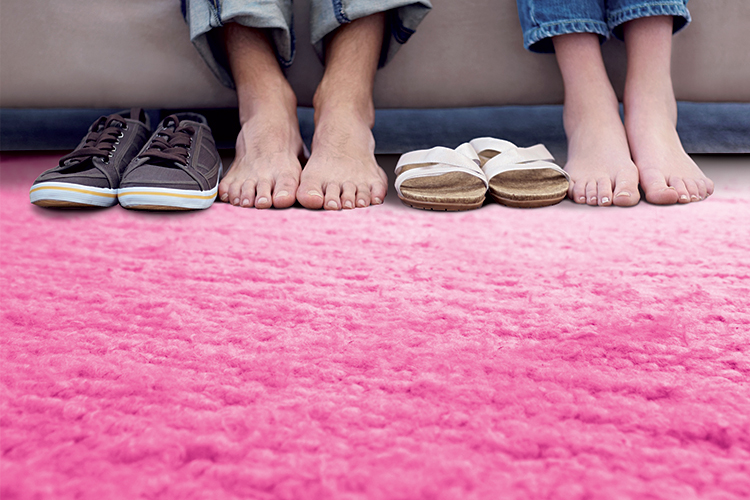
[(387, 353)]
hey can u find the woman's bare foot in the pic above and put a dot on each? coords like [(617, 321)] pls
[(266, 168), (342, 171), (668, 175), (599, 163)]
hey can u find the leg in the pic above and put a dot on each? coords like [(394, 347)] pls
[(266, 168), (342, 171), (668, 174), (599, 163)]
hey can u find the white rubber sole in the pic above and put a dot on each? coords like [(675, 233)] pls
[(150, 198), (62, 194)]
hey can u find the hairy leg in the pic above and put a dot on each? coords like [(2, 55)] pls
[(668, 175), (599, 163), (266, 169), (342, 171)]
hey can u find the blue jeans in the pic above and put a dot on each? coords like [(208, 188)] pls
[(276, 16), (543, 19)]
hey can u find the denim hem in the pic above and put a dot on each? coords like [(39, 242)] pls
[(538, 39), (676, 9)]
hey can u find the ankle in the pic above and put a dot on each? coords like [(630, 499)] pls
[(278, 104), (350, 103)]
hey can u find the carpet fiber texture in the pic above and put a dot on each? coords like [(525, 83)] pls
[(568, 352)]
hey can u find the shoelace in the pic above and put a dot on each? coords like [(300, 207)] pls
[(101, 141), (171, 143)]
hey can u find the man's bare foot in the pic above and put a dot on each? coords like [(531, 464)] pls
[(599, 164), (342, 171), (266, 168), (668, 175)]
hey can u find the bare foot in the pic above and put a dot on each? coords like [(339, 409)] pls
[(342, 171), (266, 168), (599, 164), (668, 175)]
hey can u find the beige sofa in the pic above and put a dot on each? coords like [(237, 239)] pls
[(109, 54)]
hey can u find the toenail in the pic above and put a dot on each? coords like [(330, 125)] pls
[(605, 200), (623, 193), (245, 202), (225, 197), (332, 204), (282, 194), (378, 201), (262, 201), (361, 203), (683, 197), (592, 199), (236, 201), (348, 204), (315, 193), (582, 198), (694, 197)]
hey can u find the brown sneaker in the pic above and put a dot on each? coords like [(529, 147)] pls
[(90, 175), (178, 169)]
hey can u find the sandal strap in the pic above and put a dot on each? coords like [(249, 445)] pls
[(438, 161), (509, 157)]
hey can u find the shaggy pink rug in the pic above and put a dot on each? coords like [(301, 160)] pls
[(388, 353)]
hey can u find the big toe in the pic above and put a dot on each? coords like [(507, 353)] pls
[(626, 188), (310, 194), (284, 191)]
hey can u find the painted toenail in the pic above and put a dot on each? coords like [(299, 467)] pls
[(332, 204), (282, 194), (236, 201), (605, 200), (245, 202), (225, 197), (361, 203), (348, 204), (315, 193), (378, 201), (623, 193)]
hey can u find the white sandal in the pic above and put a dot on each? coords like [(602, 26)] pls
[(521, 177), (441, 179)]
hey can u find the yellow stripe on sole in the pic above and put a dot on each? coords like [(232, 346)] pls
[(75, 190), (176, 195)]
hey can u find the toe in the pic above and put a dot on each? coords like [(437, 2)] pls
[(702, 189), (578, 190), (378, 192), (310, 193), (348, 195), (692, 189), (682, 193), (332, 197), (246, 194), (283, 191), (235, 191), (626, 188), (224, 189), (709, 186), (363, 195), (591, 193), (263, 194), (604, 191), (655, 186)]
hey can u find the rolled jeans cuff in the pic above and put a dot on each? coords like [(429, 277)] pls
[(678, 10)]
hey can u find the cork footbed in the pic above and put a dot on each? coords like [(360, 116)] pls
[(452, 191), (529, 188)]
